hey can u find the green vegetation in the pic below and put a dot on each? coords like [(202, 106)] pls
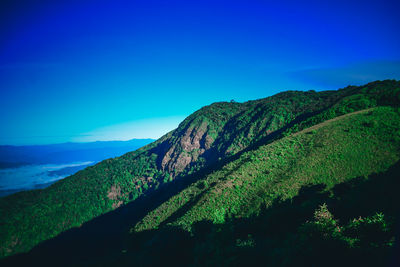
[(285, 220), (240, 163), (354, 145), (351, 224)]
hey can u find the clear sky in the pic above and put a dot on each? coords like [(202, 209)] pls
[(116, 70)]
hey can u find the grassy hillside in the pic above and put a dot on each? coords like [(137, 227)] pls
[(355, 223), (239, 133), (353, 145), (257, 208)]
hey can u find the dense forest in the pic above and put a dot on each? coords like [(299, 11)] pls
[(298, 178)]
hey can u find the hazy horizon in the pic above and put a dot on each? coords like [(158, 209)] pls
[(74, 142)]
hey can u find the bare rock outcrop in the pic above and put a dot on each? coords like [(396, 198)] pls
[(194, 142)]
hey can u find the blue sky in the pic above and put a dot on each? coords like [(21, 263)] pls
[(115, 70)]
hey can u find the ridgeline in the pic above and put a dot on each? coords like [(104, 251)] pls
[(287, 180)]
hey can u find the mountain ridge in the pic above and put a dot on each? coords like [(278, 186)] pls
[(66, 152), (212, 135), (229, 182)]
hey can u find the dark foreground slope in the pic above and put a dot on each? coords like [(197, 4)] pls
[(205, 141)]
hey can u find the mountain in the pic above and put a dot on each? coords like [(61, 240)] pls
[(234, 183), (33, 167), (273, 204), (14, 156)]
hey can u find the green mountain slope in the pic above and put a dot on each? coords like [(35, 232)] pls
[(335, 151), (354, 223), (209, 138)]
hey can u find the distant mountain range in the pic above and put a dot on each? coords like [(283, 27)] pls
[(295, 179), (33, 167), (13, 156)]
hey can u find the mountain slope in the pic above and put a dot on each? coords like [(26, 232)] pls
[(206, 140), (352, 224), (335, 151)]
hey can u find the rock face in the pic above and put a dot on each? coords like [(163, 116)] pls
[(193, 143), (114, 194)]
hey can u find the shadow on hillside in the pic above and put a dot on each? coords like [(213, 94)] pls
[(103, 239), (106, 233), (272, 238)]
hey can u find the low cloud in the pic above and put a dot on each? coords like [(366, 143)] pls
[(36, 176)]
